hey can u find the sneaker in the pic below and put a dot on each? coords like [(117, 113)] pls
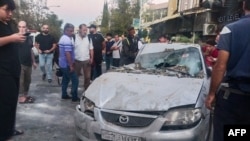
[(44, 76), (76, 100), (66, 97), (49, 80)]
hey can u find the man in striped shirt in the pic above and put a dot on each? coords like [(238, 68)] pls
[(66, 63)]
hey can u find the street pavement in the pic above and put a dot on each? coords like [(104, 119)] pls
[(49, 118)]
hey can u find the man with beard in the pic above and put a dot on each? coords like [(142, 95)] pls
[(83, 54), (99, 49), (129, 47), (46, 44), (9, 70)]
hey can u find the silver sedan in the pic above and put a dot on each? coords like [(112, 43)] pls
[(158, 98)]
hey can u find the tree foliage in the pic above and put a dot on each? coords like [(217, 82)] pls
[(121, 16), (36, 16), (105, 18)]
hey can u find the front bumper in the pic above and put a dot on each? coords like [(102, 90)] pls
[(90, 129)]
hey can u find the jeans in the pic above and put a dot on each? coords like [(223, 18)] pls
[(229, 111), (108, 60), (67, 76), (116, 62), (45, 60)]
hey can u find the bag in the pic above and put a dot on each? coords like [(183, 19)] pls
[(59, 72), (74, 37)]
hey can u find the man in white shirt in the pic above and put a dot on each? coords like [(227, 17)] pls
[(116, 48), (84, 54)]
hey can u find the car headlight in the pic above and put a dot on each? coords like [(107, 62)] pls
[(88, 105), (182, 118)]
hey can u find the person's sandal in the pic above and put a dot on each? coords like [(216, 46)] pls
[(27, 100), (31, 98)]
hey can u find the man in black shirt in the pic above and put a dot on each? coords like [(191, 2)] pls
[(46, 45), (108, 56), (27, 59), (9, 70), (99, 49), (129, 48)]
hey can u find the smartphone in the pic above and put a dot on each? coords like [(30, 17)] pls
[(26, 34)]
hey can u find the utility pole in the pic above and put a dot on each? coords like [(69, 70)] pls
[(140, 21)]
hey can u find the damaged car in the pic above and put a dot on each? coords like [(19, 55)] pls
[(158, 98)]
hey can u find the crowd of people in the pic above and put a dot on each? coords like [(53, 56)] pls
[(83, 54), (78, 54)]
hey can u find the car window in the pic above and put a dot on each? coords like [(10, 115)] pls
[(187, 60)]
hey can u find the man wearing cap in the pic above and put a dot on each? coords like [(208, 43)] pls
[(129, 48), (99, 49)]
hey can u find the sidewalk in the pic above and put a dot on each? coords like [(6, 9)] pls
[(49, 118)]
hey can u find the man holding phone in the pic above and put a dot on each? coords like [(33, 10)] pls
[(9, 70), (27, 59), (45, 44)]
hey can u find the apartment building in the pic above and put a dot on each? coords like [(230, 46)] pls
[(202, 17)]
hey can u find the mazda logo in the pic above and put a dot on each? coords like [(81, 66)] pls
[(123, 119)]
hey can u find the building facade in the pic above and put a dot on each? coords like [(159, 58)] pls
[(152, 12), (204, 18)]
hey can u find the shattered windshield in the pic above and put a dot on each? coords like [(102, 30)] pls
[(186, 61)]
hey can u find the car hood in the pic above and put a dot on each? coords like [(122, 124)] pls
[(141, 92)]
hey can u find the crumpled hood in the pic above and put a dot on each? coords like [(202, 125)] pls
[(141, 92)]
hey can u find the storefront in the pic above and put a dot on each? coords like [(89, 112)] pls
[(205, 21)]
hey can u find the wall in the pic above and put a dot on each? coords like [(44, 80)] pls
[(172, 7), (187, 5)]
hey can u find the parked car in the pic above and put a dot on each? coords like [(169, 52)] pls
[(158, 98)]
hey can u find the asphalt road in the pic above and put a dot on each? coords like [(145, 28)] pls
[(49, 118)]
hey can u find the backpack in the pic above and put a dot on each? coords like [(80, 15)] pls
[(74, 37)]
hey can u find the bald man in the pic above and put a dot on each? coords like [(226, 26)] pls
[(27, 59)]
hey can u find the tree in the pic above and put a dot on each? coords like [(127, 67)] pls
[(105, 18), (55, 24), (135, 8), (36, 16), (122, 16), (144, 33)]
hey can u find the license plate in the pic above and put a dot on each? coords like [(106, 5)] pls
[(111, 136)]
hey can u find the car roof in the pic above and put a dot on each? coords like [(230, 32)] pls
[(161, 47)]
